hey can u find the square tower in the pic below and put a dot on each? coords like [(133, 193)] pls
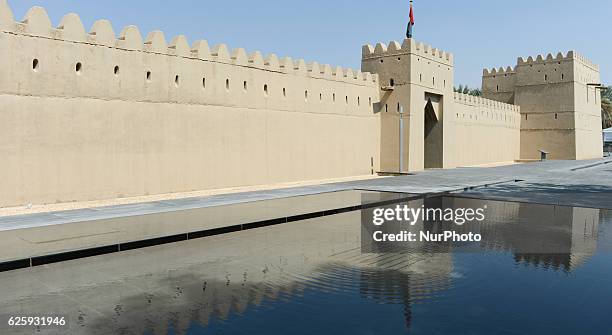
[(416, 88), (560, 104)]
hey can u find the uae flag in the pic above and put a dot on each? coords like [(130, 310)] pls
[(411, 23)]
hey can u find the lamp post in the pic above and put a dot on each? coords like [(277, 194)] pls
[(401, 139)]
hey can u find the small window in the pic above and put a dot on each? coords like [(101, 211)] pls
[(420, 77), (562, 76), (399, 58), (284, 92), (116, 70), (382, 61), (334, 97), (35, 64), (497, 88), (545, 77), (203, 83), (266, 89), (386, 108), (148, 76), (358, 101), (391, 82), (320, 96), (245, 86), (78, 68), (434, 81), (398, 107), (346, 99), (370, 101), (556, 116), (306, 95), (227, 84), (176, 80)]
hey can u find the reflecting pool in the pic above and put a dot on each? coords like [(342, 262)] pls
[(311, 277)]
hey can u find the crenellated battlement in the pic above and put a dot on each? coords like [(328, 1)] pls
[(560, 57), (467, 99), (508, 71), (409, 46), (36, 23)]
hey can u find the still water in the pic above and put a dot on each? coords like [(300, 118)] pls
[(311, 277)]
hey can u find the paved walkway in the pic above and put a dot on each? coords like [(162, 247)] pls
[(576, 183)]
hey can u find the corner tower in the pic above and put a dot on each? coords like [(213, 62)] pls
[(560, 104), (417, 80)]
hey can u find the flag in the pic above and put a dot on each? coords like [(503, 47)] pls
[(411, 23)]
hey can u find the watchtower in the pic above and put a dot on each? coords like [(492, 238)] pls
[(560, 104), (416, 88)]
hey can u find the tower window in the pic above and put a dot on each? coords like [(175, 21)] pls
[(391, 82), (35, 65)]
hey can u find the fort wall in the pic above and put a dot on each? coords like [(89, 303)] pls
[(86, 116), (485, 131)]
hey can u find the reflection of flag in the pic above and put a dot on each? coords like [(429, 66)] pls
[(411, 23)]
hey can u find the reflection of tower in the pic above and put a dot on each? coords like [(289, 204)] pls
[(389, 287), (541, 235)]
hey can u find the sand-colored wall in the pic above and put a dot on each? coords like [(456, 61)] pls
[(143, 116), (486, 131)]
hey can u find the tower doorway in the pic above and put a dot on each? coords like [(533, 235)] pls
[(433, 145)]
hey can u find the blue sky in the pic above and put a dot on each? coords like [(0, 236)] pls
[(481, 33)]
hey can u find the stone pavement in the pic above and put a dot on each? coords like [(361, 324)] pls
[(575, 183)]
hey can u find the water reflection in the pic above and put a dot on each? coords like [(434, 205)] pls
[(283, 274), (541, 235)]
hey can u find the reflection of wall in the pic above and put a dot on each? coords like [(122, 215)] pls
[(214, 277)]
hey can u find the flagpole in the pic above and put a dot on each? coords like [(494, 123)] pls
[(410, 22)]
